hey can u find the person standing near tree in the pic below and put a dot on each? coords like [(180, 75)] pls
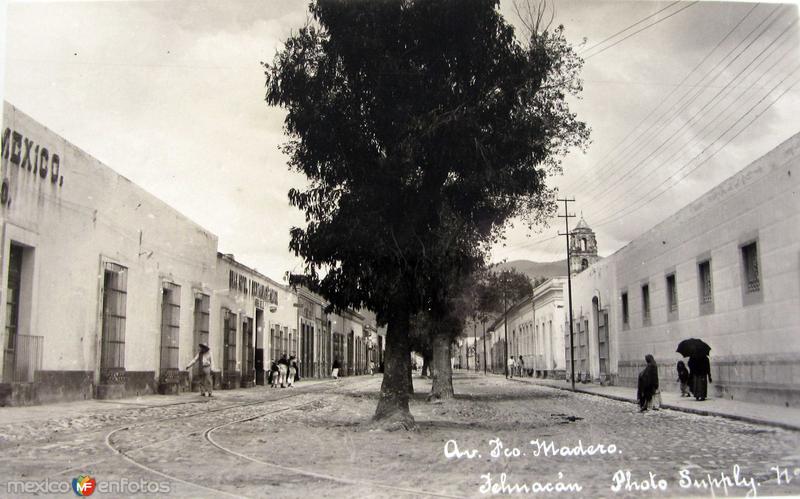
[(206, 367)]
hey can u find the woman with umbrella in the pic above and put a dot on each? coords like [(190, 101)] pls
[(699, 365)]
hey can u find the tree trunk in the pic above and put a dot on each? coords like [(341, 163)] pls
[(410, 379), (442, 387), (393, 403)]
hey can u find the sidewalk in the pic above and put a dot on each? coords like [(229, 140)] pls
[(771, 415)]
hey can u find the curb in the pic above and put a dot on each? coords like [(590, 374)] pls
[(699, 412)]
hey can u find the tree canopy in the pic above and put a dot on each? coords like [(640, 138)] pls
[(422, 127)]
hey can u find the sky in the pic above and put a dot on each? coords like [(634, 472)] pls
[(171, 95)]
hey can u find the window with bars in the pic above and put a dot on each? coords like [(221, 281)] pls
[(12, 308), (672, 294), (229, 335), (706, 289), (170, 325), (115, 297), (625, 316), (646, 304), (202, 305), (752, 277)]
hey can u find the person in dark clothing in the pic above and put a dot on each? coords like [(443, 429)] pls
[(283, 369), (683, 379), (700, 371), (294, 370), (336, 366), (648, 384), (273, 375)]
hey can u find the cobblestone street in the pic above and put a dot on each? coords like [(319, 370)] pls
[(317, 441)]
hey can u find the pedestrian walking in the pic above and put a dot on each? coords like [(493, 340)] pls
[(700, 371), (371, 368), (206, 362), (521, 366), (336, 367), (283, 370), (683, 379), (274, 374), (647, 388), (512, 365), (292, 373)]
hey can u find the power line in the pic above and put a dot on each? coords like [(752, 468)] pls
[(604, 40), (663, 101), (640, 30), (669, 115), (634, 206), (691, 120), (682, 105), (712, 122)]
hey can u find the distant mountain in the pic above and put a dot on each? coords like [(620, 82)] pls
[(536, 269)]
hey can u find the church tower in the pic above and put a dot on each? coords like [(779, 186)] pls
[(582, 247)]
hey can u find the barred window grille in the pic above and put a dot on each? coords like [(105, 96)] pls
[(646, 303), (706, 291), (752, 277), (672, 293), (625, 308), (202, 305), (170, 325), (12, 308), (229, 352), (115, 297)]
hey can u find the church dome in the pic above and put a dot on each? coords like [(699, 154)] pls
[(582, 225)]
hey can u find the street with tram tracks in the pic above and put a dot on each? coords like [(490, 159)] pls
[(317, 440)]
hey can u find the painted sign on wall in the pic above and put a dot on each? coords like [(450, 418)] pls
[(31, 157), (240, 283)]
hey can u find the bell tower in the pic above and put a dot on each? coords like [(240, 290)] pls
[(582, 247)]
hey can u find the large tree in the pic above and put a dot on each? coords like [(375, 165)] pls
[(422, 126)]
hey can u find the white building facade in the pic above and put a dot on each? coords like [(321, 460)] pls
[(107, 291), (535, 331), (725, 269)]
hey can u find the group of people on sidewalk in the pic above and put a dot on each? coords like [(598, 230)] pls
[(284, 372), (516, 366), (693, 381)]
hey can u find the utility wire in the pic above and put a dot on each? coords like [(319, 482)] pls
[(604, 40), (692, 119), (639, 31), (647, 196), (711, 123), (661, 103), (682, 105), (670, 115)]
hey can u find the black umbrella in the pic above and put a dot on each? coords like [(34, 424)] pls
[(693, 346)]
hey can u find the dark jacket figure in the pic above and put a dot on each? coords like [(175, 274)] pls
[(683, 379), (273, 373), (293, 364), (648, 383), (700, 370), (283, 360)]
